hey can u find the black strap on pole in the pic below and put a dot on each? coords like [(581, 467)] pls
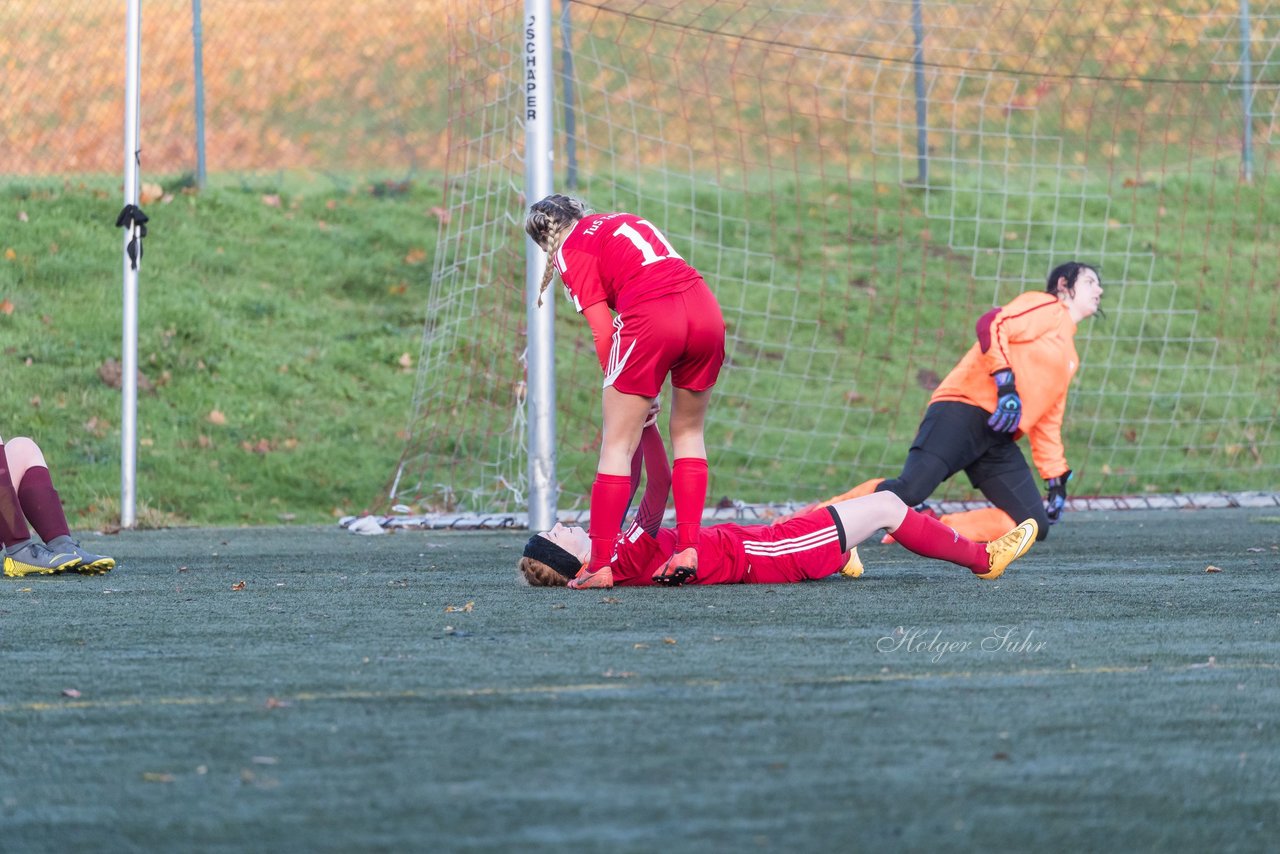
[(132, 218)]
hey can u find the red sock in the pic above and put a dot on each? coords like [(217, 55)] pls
[(13, 525), (689, 489), (609, 496), (41, 504), (926, 536)]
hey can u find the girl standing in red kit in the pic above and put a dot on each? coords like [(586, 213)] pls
[(651, 316)]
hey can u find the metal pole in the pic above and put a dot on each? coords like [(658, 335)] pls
[(129, 355), (1246, 76), (566, 95), (537, 105), (922, 137), (197, 44)]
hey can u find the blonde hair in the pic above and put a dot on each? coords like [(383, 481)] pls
[(548, 223), (538, 574)]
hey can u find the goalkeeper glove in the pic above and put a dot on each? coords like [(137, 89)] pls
[(1056, 499), (1008, 405)]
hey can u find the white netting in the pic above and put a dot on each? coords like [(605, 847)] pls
[(778, 150)]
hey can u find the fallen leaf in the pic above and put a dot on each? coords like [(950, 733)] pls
[(71, 692), (273, 703), (22, 216), (669, 640), (149, 193), (1212, 568), (239, 585), (415, 256), (10, 254), (216, 417), (465, 609), (272, 200), (405, 361), (112, 374), (6, 307)]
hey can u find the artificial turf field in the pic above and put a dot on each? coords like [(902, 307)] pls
[(404, 693)]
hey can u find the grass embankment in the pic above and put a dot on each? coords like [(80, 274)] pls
[(278, 335), (279, 332)]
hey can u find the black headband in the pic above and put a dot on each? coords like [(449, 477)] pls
[(560, 559)]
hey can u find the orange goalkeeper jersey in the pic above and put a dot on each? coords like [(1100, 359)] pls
[(1034, 336)]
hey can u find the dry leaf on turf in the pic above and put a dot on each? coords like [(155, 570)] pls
[(71, 692), (466, 609), (1212, 568), (239, 585)]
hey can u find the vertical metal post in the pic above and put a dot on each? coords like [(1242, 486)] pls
[(917, 59), (129, 354), (536, 105), (197, 45), (566, 96), (1246, 76)]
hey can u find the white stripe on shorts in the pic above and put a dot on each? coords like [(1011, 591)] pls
[(762, 548)]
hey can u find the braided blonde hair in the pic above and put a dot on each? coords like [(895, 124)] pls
[(548, 223)]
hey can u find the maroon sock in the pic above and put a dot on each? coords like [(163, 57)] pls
[(41, 505), (689, 490), (926, 536), (609, 496), (13, 525)]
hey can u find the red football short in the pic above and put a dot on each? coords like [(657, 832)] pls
[(805, 547), (680, 334)]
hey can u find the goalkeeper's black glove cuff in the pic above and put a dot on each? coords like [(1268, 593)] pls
[(1059, 482), (1004, 382)]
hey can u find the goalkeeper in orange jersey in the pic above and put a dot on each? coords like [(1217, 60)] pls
[(652, 316), (27, 496), (1012, 382), (811, 545)]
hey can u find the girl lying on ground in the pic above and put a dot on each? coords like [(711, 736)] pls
[(815, 544)]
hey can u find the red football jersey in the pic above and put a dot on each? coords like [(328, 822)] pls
[(621, 259), (799, 549)]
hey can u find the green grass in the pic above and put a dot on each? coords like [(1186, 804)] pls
[(285, 309), (274, 314)]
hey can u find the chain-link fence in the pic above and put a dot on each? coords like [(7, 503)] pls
[(328, 86)]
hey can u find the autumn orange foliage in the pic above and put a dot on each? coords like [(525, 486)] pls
[(312, 84)]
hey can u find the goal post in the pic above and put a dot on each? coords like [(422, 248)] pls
[(858, 184), (539, 103)]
